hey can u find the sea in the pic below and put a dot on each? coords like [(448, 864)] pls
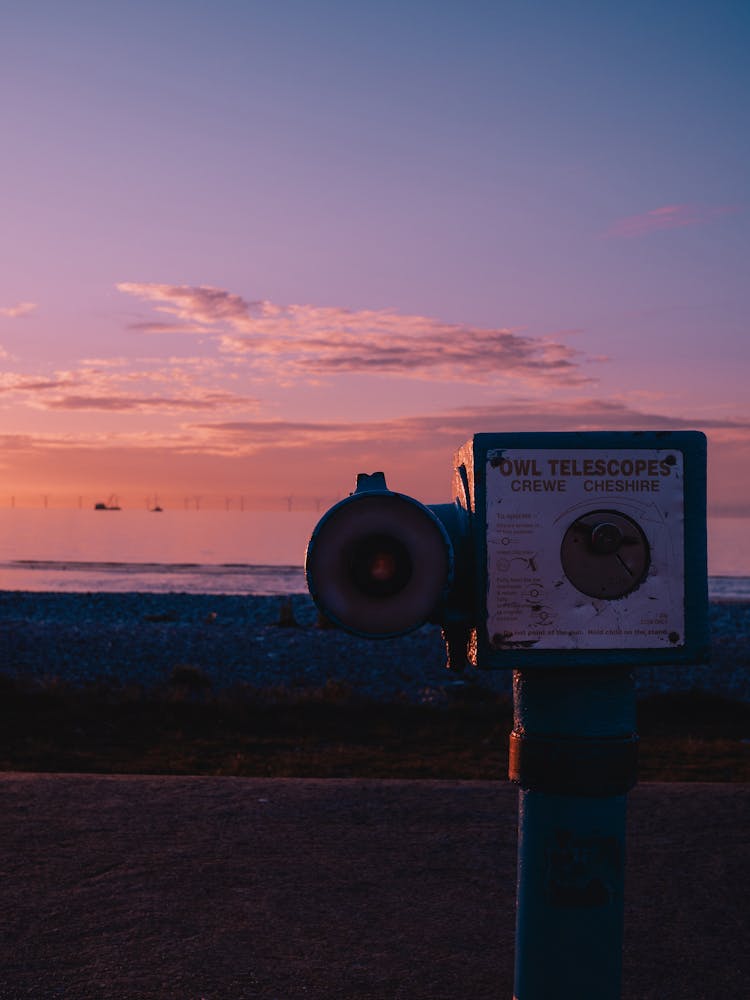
[(221, 552)]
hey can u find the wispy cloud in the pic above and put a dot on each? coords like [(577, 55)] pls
[(447, 430), (305, 341), (13, 382), (197, 303), (394, 440), (668, 217), (108, 388), (188, 327), (18, 310), (144, 404), (326, 455)]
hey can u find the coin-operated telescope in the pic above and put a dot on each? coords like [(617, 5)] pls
[(570, 558), (561, 549)]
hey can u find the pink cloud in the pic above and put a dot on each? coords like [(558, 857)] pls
[(176, 386), (448, 429), (416, 451), (439, 432), (18, 383), (196, 303), (321, 458), (307, 341), (18, 310), (144, 404), (168, 328), (668, 217)]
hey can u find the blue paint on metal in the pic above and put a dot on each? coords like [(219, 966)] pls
[(569, 917), (571, 848)]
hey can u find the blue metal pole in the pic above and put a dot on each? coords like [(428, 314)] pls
[(573, 753)]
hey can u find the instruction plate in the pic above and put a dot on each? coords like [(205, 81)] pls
[(534, 496)]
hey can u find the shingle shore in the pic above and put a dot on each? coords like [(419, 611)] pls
[(139, 639)]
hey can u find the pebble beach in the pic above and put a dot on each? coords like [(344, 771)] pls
[(230, 642)]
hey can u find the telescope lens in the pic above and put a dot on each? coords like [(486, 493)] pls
[(379, 565)]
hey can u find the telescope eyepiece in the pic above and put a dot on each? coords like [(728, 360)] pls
[(379, 565)]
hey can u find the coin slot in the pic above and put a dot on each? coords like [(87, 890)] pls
[(605, 554)]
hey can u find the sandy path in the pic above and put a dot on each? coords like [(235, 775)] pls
[(226, 889)]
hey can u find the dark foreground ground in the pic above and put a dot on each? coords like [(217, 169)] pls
[(169, 888), (235, 641), (253, 686), (329, 732)]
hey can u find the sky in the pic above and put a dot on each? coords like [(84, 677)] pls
[(255, 248)]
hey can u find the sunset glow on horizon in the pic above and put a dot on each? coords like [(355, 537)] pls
[(253, 249)]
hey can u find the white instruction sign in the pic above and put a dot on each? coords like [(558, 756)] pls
[(585, 549)]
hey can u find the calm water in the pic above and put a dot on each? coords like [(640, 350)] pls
[(221, 552), (218, 552)]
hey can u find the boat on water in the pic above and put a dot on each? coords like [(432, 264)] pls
[(111, 504)]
